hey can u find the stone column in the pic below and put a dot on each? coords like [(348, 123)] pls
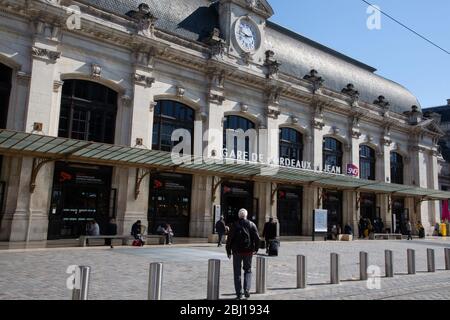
[(29, 221), (133, 206), (383, 172)]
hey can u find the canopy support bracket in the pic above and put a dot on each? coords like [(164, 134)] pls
[(38, 163), (141, 173), (274, 192), (215, 186)]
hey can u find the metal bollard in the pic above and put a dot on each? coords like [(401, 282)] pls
[(389, 263), (261, 275), (334, 269), (301, 272), (447, 258), (213, 280), (411, 261), (155, 281), (83, 291), (431, 260), (363, 265)]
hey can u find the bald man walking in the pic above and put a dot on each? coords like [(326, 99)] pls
[(242, 243)]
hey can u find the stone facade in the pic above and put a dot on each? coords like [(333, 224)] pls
[(147, 64)]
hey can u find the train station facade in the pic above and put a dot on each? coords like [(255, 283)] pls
[(92, 92)]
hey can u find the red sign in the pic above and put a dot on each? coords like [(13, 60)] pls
[(352, 170)]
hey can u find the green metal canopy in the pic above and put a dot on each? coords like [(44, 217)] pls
[(49, 149)]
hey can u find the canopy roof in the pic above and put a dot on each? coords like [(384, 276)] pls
[(53, 148)]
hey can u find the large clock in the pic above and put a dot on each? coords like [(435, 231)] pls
[(247, 35)]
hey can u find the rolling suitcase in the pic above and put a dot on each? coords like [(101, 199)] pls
[(274, 245)]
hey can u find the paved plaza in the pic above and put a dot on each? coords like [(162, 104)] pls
[(122, 273)]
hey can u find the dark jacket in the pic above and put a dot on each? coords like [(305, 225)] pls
[(233, 245), (220, 227), (270, 231), (135, 229), (111, 229)]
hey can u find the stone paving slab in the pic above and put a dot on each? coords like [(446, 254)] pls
[(122, 273)]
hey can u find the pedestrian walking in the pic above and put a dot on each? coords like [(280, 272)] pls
[(242, 244), (269, 233), (221, 230), (409, 230)]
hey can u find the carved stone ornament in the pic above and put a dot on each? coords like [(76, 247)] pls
[(273, 113), (96, 71), (153, 104), (244, 107), (294, 119), (356, 133), (144, 19), (272, 65), (143, 80), (216, 98), (247, 57), (217, 78), (316, 81), (252, 4), (180, 91), (383, 104), (317, 124), (369, 138), (352, 93), (216, 43), (45, 54), (336, 130), (126, 100), (386, 141), (273, 96)]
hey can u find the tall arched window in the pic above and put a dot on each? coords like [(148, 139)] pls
[(396, 168), (332, 152), (5, 90), (366, 163), (236, 123), (168, 117), (88, 111), (291, 144)]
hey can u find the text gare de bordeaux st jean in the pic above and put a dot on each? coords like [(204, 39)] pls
[(242, 141)]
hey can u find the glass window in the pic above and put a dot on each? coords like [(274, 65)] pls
[(396, 168), (291, 144), (168, 117), (88, 111), (332, 152), (236, 123), (367, 163), (5, 90)]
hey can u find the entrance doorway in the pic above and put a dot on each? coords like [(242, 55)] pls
[(80, 194), (400, 215), (170, 202), (238, 195), (332, 201), (368, 207), (289, 210)]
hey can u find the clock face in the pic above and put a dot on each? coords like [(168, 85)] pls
[(247, 35)]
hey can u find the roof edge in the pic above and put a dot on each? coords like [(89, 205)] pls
[(319, 46)]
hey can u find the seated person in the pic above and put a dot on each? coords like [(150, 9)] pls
[(166, 230), (348, 229), (136, 232)]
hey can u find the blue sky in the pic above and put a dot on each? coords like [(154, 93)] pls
[(396, 53)]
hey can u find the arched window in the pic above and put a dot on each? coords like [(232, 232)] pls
[(332, 152), (396, 168), (366, 163), (5, 90), (291, 144), (236, 123), (88, 111), (168, 117)]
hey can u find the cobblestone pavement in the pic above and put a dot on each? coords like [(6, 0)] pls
[(122, 273)]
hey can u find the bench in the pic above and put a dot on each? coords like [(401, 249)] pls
[(83, 239), (387, 236), (126, 239)]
